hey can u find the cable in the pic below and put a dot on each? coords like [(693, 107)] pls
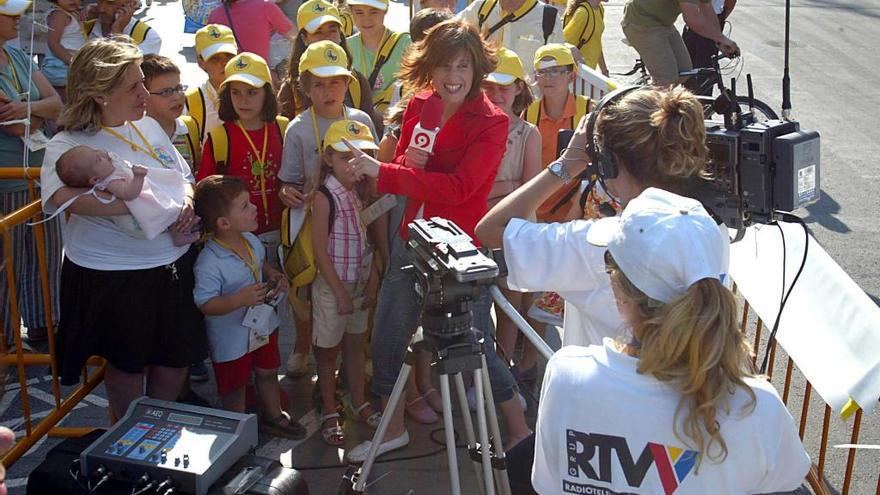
[(147, 488), (76, 475), (788, 217)]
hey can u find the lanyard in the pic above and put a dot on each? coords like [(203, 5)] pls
[(15, 80), (385, 37), (261, 160), (318, 133), (147, 148), (511, 17), (252, 265)]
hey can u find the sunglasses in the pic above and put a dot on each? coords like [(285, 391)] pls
[(165, 93)]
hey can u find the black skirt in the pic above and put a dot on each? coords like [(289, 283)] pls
[(132, 318)]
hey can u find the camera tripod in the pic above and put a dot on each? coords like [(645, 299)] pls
[(451, 356)]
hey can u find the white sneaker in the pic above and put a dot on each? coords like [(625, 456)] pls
[(297, 365), (359, 453)]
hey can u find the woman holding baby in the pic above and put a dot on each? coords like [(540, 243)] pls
[(125, 297)]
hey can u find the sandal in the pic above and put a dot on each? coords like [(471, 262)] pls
[(424, 415), (283, 426), (437, 404), (332, 435), (372, 420)]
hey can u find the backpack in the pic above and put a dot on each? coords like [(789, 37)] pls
[(138, 32), (195, 106), (584, 37), (382, 99), (220, 142), (193, 140), (581, 103), (298, 254), (548, 19)]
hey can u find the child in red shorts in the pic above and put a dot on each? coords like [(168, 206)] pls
[(232, 291)]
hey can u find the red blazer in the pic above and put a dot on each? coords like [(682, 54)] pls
[(456, 181)]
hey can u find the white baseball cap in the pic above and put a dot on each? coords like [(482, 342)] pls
[(14, 7), (664, 243)]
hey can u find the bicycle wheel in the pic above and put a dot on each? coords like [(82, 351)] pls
[(761, 112)]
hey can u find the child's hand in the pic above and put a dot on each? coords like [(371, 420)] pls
[(344, 306), (371, 291), (290, 196), (252, 295), (139, 170), (280, 282)]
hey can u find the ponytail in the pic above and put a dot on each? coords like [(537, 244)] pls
[(693, 344)]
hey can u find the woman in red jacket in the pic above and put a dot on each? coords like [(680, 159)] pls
[(453, 181)]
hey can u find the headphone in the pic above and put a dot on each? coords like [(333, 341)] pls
[(603, 163)]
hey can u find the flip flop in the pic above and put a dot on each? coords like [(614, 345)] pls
[(332, 435)]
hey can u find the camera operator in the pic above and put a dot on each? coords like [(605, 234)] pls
[(713, 426), (657, 139), (453, 181), (649, 27)]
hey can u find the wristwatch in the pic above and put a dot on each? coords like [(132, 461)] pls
[(559, 169)]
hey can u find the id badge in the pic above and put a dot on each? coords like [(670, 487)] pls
[(257, 318), (256, 340), (36, 141)]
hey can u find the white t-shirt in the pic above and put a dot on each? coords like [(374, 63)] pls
[(96, 242), (152, 41), (605, 429), (557, 257)]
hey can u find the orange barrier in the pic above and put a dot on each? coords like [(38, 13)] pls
[(93, 372), (843, 461)]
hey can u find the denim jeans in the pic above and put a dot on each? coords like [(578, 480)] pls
[(397, 313)]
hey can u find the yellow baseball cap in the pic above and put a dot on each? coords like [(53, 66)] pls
[(315, 13), (248, 68), (213, 39), (15, 8), (510, 68), (325, 59), (552, 55), (357, 134), (376, 4)]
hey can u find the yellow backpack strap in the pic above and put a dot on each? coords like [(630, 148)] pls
[(382, 56), (193, 139), (484, 11), (219, 147), (195, 106), (89, 26), (282, 122), (533, 113), (139, 32), (581, 104), (354, 89)]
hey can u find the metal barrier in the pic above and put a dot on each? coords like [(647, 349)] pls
[(808, 426), (93, 372)]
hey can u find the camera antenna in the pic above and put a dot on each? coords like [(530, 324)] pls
[(786, 81)]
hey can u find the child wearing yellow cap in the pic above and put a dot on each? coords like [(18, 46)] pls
[(321, 21), (509, 90), (253, 136), (376, 50), (215, 47), (324, 79), (347, 281)]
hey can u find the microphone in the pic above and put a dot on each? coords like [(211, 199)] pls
[(425, 132)]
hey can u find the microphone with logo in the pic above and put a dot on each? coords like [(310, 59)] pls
[(425, 132)]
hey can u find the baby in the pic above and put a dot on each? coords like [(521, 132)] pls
[(154, 201)]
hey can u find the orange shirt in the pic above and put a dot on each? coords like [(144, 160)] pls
[(549, 130)]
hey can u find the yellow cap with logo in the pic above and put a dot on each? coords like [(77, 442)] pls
[(315, 13), (553, 55), (248, 68), (213, 39), (14, 8), (376, 4), (356, 133), (324, 59), (510, 68)]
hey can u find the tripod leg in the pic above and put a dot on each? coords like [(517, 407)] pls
[(503, 482), (449, 431), (486, 459), (468, 426), (396, 393)]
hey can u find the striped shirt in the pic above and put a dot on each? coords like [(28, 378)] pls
[(347, 240)]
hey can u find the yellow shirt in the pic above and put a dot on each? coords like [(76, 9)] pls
[(583, 29)]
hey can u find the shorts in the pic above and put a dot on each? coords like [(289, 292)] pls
[(328, 326), (661, 49), (235, 374)]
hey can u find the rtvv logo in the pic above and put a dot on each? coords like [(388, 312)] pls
[(673, 463)]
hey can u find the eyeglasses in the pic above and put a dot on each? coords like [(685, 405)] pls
[(165, 93), (553, 72)]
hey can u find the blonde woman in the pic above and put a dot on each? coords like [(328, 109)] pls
[(128, 300), (676, 399)]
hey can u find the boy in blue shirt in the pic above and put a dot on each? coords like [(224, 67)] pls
[(232, 291)]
